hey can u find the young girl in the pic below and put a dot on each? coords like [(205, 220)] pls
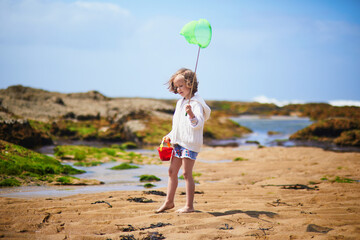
[(186, 136)]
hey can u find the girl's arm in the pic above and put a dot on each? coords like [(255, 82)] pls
[(198, 113)]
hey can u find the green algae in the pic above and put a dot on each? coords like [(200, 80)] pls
[(155, 130), (341, 131), (149, 185), (10, 182), (88, 153), (65, 180), (27, 165), (338, 179), (124, 166), (88, 164), (240, 159), (149, 178)]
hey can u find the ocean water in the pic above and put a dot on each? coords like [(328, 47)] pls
[(281, 126), (115, 180)]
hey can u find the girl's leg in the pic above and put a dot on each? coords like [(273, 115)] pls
[(175, 165), (190, 186)]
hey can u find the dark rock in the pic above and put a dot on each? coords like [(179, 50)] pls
[(133, 115), (127, 237), (46, 218), (317, 229), (69, 115), (110, 206), (196, 192), (21, 133), (299, 186), (154, 236), (157, 225), (88, 117), (129, 228), (59, 101), (341, 131), (292, 186), (166, 110), (140, 200), (58, 129), (154, 192)]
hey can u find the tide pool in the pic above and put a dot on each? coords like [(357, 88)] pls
[(267, 131), (114, 180), (282, 127)]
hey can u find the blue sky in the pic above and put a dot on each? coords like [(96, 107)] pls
[(268, 51)]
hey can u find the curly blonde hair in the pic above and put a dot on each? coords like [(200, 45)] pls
[(189, 77)]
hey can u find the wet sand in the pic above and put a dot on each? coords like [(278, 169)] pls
[(235, 200)]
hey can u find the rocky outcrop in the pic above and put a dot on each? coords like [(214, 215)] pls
[(219, 126), (22, 133), (87, 116), (315, 111), (341, 131), (21, 166), (40, 105), (93, 116)]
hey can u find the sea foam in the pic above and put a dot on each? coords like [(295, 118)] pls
[(281, 103)]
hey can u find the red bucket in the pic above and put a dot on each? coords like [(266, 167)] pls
[(165, 153)]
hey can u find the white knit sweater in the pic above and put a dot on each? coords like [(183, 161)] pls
[(183, 132)]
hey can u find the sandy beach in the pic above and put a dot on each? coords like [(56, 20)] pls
[(270, 193)]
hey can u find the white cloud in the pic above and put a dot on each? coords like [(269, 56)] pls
[(264, 99), (340, 103)]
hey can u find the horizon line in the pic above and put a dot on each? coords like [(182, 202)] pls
[(262, 99)]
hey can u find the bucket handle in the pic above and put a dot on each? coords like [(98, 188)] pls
[(162, 144)]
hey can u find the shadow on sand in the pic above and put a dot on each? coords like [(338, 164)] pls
[(253, 214)]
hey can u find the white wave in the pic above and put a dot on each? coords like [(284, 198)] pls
[(340, 103), (264, 99), (281, 103)]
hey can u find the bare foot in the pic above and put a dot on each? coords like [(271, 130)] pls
[(185, 210), (165, 207)]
